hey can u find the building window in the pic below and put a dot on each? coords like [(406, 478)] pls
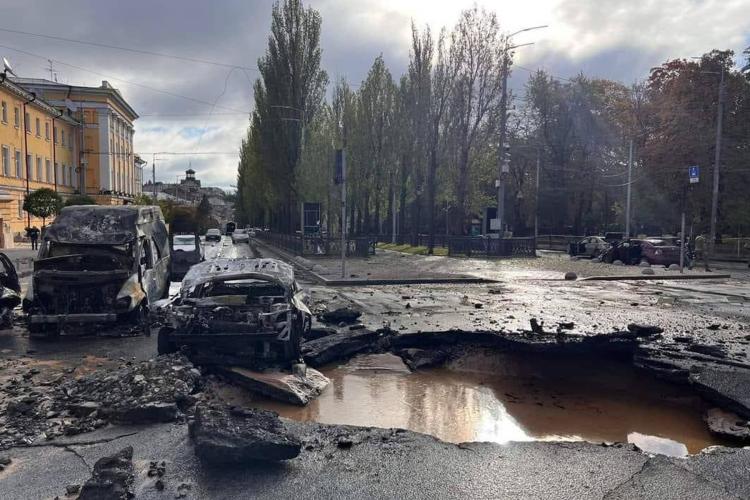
[(38, 128), (72, 180), (28, 168), (48, 170), (17, 117), (38, 169), (19, 165), (20, 208), (62, 136), (61, 178), (27, 123), (46, 130), (5, 112), (54, 134), (70, 142), (6, 161)]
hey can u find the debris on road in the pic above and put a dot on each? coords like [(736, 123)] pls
[(347, 315), (728, 425), (294, 388), (340, 345), (231, 435), (422, 358), (112, 478), (151, 391)]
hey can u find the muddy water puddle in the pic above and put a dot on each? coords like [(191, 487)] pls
[(501, 398)]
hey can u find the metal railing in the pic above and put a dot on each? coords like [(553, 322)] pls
[(319, 246), (422, 240), (560, 242), (480, 246)]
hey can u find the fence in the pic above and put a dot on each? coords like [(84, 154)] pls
[(422, 240), (320, 246), (491, 247), (559, 242)]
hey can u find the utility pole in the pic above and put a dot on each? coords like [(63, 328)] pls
[(630, 181), (717, 159), (342, 160), (503, 160), (536, 203), (153, 176)]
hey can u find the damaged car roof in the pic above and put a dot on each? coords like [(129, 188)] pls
[(244, 267), (94, 224)]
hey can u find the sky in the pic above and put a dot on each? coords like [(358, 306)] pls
[(194, 108)]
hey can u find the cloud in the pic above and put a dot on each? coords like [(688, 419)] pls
[(190, 107)]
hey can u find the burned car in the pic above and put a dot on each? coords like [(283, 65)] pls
[(10, 291), (244, 312), (98, 268)]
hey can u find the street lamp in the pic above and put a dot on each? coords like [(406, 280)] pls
[(503, 161)]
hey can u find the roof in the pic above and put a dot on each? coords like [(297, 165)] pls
[(241, 268), (99, 225), (105, 88), (32, 100)]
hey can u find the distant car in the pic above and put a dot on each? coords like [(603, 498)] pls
[(253, 233), (659, 252), (591, 246), (213, 235), (186, 252), (240, 236)]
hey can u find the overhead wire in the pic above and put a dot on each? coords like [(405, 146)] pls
[(130, 49)]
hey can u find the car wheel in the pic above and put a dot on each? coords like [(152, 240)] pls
[(163, 343)]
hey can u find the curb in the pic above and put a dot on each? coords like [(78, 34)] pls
[(654, 277), (300, 261)]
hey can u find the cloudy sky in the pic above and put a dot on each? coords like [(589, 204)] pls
[(195, 107)]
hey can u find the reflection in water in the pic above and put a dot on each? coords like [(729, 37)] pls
[(501, 398)]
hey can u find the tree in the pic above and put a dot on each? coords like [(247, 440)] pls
[(80, 199), (143, 199), (288, 95), (43, 203), (203, 214)]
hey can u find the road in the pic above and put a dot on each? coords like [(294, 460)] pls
[(385, 463)]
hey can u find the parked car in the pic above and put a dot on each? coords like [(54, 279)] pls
[(213, 235), (240, 236), (97, 269), (660, 252), (247, 312), (186, 252), (591, 246)]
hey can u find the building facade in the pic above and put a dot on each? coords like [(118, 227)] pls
[(107, 161), (38, 149)]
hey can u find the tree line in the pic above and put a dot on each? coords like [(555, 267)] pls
[(422, 149)]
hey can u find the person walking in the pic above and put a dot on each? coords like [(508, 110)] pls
[(701, 250), (34, 236)]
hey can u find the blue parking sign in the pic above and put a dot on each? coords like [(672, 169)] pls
[(694, 173)]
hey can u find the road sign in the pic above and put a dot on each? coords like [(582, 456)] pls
[(694, 173)]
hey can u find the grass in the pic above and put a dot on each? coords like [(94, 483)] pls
[(414, 250)]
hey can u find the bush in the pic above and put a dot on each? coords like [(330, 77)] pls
[(80, 199)]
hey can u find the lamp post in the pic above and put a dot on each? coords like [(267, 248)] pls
[(503, 160)]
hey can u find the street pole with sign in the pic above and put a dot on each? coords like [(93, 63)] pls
[(693, 176)]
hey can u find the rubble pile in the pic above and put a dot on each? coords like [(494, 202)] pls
[(224, 434), (151, 391), (112, 478)]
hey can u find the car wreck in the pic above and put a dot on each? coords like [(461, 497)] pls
[(10, 291), (98, 268), (246, 319), (246, 312)]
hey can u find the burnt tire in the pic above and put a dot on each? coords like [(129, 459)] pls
[(164, 345)]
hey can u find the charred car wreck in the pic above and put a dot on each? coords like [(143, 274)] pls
[(240, 312), (98, 268), (10, 291)]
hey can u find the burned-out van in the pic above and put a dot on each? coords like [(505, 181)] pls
[(98, 268)]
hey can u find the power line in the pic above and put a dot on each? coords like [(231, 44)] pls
[(128, 49), (128, 82)]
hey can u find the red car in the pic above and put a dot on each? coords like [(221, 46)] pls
[(659, 252)]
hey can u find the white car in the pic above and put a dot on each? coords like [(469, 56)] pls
[(240, 236)]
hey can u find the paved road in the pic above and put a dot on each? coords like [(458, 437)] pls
[(390, 464)]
